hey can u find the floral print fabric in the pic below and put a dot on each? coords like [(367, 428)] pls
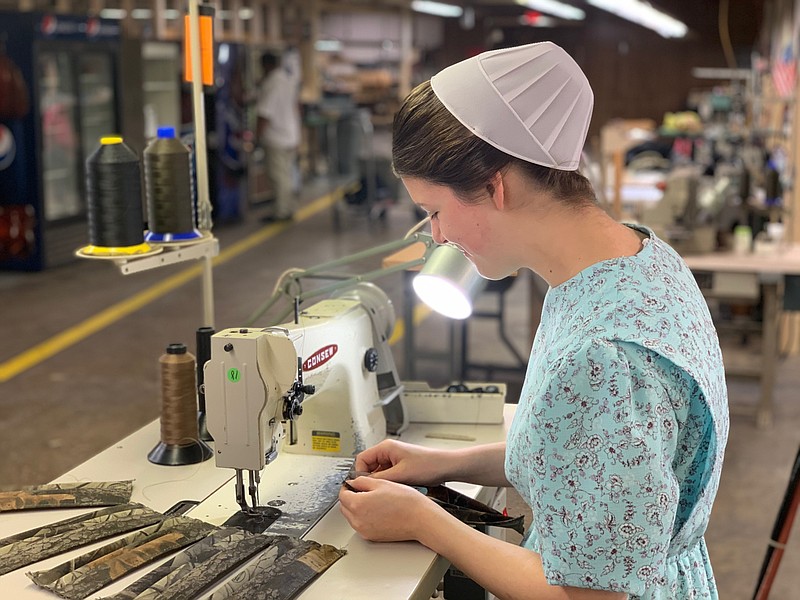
[(618, 438)]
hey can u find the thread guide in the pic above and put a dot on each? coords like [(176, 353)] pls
[(207, 247)]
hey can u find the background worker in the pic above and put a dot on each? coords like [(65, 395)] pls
[(278, 129)]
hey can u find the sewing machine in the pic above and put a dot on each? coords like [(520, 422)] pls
[(334, 366)]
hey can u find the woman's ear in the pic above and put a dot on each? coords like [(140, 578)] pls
[(496, 190)]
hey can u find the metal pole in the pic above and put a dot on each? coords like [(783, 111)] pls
[(204, 222)]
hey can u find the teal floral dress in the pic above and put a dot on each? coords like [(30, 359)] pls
[(619, 435)]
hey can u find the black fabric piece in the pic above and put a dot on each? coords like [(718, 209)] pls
[(254, 523), (472, 512)]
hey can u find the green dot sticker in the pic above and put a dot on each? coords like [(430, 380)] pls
[(234, 375)]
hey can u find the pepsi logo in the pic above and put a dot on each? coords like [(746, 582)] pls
[(49, 24), (8, 147), (92, 26)]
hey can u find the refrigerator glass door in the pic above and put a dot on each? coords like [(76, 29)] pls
[(96, 96), (60, 140)]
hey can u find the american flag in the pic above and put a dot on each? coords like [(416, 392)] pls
[(784, 73)]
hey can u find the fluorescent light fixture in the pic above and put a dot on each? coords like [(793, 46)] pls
[(717, 73), (327, 45), (449, 282), (141, 13), (644, 15), (437, 8), (557, 9), (245, 14), (113, 13)]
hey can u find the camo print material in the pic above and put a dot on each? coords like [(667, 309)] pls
[(284, 546), (37, 544), (67, 495), (281, 572), (80, 577), (198, 567)]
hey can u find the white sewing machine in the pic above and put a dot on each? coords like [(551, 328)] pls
[(334, 366)]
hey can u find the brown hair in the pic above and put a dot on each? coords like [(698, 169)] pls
[(429, 143)]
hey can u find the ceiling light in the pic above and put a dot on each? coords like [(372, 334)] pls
[(437, 8), (644, 15), (113, 13), (557, 9), (327, 45)]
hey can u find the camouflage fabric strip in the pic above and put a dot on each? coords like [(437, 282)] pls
[(290, 576), (91, 575), (67, 495), (182, 562), (284, 549), (37, 544), (213, 570), (68, 524)]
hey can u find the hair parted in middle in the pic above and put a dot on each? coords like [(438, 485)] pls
[(429, 143)]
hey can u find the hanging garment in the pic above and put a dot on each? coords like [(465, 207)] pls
[(67, 495), (37, 544), (78, 578)]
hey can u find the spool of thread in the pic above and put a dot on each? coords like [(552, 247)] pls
[(203, 356), (744, 184), (773, 186), (180, 443), (169, 189), (114, 195)]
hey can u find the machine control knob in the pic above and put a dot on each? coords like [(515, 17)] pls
[(243, 331), (228, 347), (371, 360)]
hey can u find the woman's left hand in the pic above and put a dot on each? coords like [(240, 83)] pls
[(385, 511)]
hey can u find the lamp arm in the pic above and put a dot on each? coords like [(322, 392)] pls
[(322, 271)]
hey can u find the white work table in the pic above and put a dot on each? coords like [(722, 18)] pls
[(766, 271), (368, 570)]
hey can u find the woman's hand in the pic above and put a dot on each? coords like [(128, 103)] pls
[(385, 511), (406, 463)]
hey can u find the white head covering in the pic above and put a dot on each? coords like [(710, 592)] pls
[(531, 101)]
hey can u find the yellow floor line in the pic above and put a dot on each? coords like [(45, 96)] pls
[(37, 354), (421, 313)]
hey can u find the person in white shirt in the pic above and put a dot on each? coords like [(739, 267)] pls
[(278, 132)]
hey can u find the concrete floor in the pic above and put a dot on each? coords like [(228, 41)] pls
[(79, 366)]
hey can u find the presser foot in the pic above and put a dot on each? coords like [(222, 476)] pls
[(252, 517), (252, 491), (254, 520)]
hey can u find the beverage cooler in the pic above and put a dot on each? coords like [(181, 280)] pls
[(58, 96)]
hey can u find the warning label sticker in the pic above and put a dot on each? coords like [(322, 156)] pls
[(326, 441)]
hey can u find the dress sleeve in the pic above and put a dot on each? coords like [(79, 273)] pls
[(605, 498)]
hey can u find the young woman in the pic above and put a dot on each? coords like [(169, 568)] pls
[(618, 438)]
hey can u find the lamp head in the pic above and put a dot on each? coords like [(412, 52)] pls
[(449, 282)]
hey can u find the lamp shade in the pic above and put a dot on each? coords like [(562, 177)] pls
[(449, 282)]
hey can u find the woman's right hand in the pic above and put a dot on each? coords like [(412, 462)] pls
[(405, 463)]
